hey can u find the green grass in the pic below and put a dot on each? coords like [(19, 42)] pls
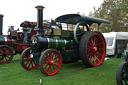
[(69, 74)]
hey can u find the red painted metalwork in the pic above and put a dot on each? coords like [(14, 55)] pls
[(21, 46), (14, 40), (50, 62), (28, 61), (6, 54), (96, 49), (33, 32)]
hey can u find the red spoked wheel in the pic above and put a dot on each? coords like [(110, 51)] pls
[(27, 60), (92, 48), (6, 54), (50, 62)]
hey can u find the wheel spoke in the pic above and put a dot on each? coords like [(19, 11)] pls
[(97, 39), (56, 61), (30, 63), (99, 43), (100, 49), (48, 68), (5, 59), (90, 50), (53, 67), (89, 53), (89, 47), (45, 58), (90, 58), (27, 62), (35, 63), (1, 52), (90, 43), (48, 55), (45, 66), (55, 58), (97, 58), (7, 56)]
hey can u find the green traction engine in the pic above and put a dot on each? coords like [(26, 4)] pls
[(69, 39)]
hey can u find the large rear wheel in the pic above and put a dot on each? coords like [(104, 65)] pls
[(27, 60), (50, 62), (6, 54), (122, 74), (92, 48)]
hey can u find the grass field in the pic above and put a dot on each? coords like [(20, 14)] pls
[(69, 74)]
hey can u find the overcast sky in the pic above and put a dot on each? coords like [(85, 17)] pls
[(17, 11)]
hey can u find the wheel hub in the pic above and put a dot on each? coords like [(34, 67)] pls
[(95, 48), (51, 62)]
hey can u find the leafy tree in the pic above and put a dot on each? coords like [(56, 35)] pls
[(116, 11)]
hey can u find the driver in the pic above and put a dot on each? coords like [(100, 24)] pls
[(25, 30)]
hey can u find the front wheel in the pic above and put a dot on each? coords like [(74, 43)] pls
[(122, 74), (27, 60), (50, 62)]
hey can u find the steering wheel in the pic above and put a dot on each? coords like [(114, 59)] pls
[(76, 29), (77, 32)]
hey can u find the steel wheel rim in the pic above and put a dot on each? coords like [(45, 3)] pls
[(6, 55), (51, 62), (96, 49), (125, 75), (28, 61)]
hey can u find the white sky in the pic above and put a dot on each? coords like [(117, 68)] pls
[(17, 11)]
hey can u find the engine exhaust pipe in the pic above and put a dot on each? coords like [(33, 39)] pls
[(1, 23), (40, 18)]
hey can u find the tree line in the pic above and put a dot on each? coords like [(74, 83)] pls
[(116, 11)]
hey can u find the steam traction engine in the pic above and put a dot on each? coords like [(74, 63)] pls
[(48, 51), (13, 42)]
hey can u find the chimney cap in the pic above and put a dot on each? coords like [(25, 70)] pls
[(40, 7), (1, 15)]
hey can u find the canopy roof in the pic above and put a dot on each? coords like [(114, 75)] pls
[(122, 35), (76, 18)]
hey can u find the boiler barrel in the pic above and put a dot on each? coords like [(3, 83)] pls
[(59, 43), (6, 41), (40, 43)]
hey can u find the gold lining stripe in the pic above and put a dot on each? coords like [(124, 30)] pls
[(5, 40), (65, 42), (48, 42), (56, 43), (71, 42)]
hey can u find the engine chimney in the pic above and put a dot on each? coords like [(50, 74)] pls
[(1, 23), (40, 18)]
